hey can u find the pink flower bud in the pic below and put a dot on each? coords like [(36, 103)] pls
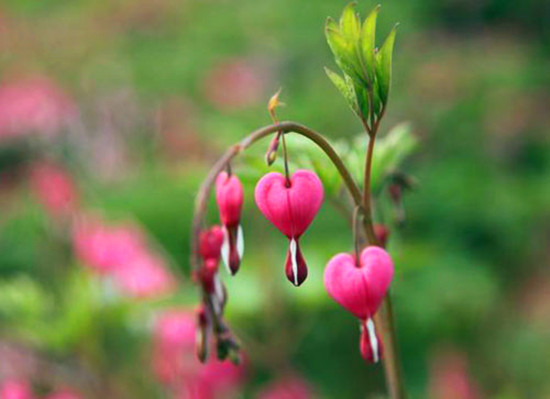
[(370, 344), (206, 275), (291, 209), (14, 389), (229, 196), (210, 243)]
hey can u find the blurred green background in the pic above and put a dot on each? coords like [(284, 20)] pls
[(161, 87)]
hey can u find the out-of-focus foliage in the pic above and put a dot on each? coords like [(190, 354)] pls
[(143, 96)]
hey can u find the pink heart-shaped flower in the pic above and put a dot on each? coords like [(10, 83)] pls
[(360, 290), (291, 206), (291, 209)]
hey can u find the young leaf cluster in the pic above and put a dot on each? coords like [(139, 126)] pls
[(366, 70)]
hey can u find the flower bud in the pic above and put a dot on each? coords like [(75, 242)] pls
[(229, 196), (210, 243), (271, 154), (382, 233)]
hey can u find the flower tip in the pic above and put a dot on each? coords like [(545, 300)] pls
[(295, 266)]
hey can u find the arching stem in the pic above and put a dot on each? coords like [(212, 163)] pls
[(284, 128)]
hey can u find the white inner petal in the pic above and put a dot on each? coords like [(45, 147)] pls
[(293, 247), (240, 242), (225, 249), (373, 340)]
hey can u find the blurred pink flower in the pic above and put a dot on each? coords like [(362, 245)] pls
[(176, 365), (14, 389), (449, 377), (63, 395), (121, 251), (289, 387), (234, 84), (54, 187), (33, 105), (144, 276), (104, 248)]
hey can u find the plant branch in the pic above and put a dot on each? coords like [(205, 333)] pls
[(284, 128)]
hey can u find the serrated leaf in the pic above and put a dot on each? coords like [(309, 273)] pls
[(368, 35), (350, 25), (344, 88), (383, 66)]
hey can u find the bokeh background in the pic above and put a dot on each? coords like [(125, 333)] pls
[(111, 113)]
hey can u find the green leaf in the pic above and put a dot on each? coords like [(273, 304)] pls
[(345, 89), (390, 152), (350, 25), (368, 34), (383, 66), (343, 50)]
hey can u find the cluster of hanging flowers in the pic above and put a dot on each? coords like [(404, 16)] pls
[(290, 203)]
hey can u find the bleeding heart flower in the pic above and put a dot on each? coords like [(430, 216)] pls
[(291, 207), (360, 289), (229, 196)]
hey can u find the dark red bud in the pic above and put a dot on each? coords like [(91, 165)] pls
[(210, 243), (295, 264), (370, 344), (382, 234), (271, 154)]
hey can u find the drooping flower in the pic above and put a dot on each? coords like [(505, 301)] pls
[(360, 286), (291, 207), (229, 196), (54, 188), (175, 363), (15, 389), (288, 387)]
